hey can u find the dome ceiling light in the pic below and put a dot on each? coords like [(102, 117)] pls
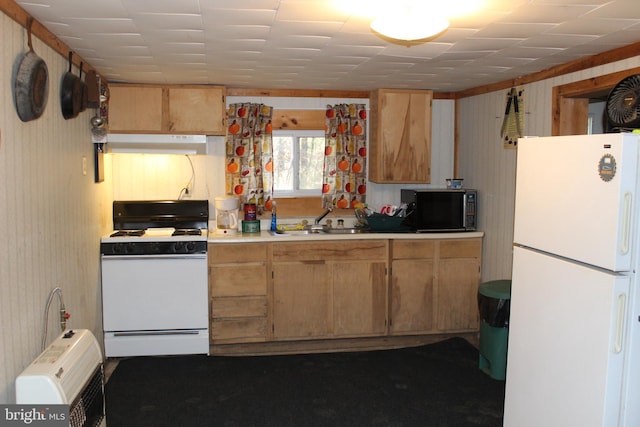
[(408, 26)]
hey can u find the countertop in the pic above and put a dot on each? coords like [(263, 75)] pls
[(269, 237)]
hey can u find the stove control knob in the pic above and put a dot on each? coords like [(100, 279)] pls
[(130, 248), (191, 246), (178, 247), (118, 248)]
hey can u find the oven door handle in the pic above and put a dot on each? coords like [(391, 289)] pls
[(150, 333), (154, 257)]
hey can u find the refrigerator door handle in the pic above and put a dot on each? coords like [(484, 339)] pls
[(618, 337), (626, 223)]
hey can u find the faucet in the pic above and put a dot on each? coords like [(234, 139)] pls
[(325, 213)]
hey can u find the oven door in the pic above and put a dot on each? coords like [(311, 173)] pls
[(155, 304)]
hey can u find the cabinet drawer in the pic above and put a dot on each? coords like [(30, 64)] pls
[(238, 307), (412, 249), (239, 330), (240, 280), (330, 251), (237, 252), (461, 248)]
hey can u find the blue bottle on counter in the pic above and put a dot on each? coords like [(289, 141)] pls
[(273, 216)]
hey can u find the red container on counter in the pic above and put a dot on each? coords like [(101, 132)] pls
[(250, 213)]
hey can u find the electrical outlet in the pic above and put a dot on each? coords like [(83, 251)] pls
[(84, 165)]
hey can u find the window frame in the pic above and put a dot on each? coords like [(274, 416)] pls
[(296, 134)]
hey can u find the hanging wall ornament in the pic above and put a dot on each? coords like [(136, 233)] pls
[(513, 121), (249, 164), (344, 184)]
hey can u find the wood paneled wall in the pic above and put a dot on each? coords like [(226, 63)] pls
[(51, 216), (486, 165)]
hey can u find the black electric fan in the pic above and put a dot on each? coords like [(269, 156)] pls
[(623, 105)]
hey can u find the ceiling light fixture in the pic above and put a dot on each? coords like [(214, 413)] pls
[(403, 28), (408, 25)]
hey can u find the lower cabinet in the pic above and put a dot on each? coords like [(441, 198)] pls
[(412, 287), (315, 290), (458, 279), (301, 306), (434, 286), (329, 289), (238, 302)]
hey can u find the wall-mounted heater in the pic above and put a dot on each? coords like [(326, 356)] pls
[(69, 371)]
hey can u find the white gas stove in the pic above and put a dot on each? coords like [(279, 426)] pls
[(154, 279), (155, 241)]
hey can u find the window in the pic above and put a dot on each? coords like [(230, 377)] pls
[(298, 158)]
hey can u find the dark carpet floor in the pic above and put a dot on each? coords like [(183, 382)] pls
[(429, 386)]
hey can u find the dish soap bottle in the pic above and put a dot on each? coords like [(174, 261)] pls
[(273, 216)]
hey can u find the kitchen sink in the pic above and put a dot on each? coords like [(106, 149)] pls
[(318, 230), (355, 230), (300, 232)]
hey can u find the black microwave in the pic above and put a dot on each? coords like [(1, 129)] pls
[(434, 210)]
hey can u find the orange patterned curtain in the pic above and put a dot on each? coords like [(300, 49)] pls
[(344, 183), (249, 164)]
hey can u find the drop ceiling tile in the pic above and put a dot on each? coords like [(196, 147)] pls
[(300, 54), (553, 41), (295, 28), (483, 44), (589, 49), (537, 13), (160, 6), (303, 42), (467, 55), (620, 38), (453, 35), (349, 50), (175, 36), (214, 17), (591, 26), (529, 52), (58, 10), (309, 10), (166, 22), (245, 45), (420, 52), (617, 9), (519, 30), (477, 21)]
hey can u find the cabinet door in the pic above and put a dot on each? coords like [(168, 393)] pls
[(135, 109), (400, 146), (196, 110), (412, 299), (457, 288), (359, 298), (301, 300)]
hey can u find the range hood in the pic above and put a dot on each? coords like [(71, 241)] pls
[(156, 143)]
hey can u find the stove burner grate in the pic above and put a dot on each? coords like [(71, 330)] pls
[(127, 233), (187, 232)]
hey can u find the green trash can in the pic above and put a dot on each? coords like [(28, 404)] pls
[(494, 301)]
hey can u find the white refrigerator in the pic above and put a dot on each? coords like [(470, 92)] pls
[(574, 331)]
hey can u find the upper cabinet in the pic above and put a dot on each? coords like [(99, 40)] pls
[(400, 136), (183, 109)]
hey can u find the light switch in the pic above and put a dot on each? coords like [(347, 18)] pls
[(84, 165)]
